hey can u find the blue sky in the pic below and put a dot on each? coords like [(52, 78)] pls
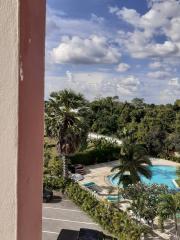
[(128, 48)]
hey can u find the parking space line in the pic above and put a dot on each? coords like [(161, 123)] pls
[(63, 209), (50, 232), (65, 220)]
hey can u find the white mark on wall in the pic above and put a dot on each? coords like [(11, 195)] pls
[(21, 71), (29, 40)]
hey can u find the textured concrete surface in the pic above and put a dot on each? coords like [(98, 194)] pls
[(9, 73), (98, 173), (64, 214), (22, 40)]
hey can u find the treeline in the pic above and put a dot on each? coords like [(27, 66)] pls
[(157, 127)]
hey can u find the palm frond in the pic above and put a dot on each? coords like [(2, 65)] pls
[(145, 171)]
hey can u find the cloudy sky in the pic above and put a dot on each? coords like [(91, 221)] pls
[(129, 48)]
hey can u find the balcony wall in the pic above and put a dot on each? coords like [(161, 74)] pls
[(22, 30)]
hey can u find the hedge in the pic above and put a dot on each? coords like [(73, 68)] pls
[(54, 183), (174, 159), (94, 156), (111, 219)]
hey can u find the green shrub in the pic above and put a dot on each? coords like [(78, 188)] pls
[(107, 215), (93, 156), (52, 182), (169, 157), (55, 167), (111, 219), (175, 159)]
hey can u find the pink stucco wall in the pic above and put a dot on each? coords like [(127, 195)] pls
[(9, 39), (31, 108)]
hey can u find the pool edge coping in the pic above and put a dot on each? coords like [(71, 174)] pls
[(173, 180), (175, 183)]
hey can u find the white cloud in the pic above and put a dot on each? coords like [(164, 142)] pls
[(129, 15), (88, 83), (175, 82), (122, 67), (172, 29), (172, 90), (54, 12), (128, 85), (163, 49), (156, 17), (162, 19), (58, 25), (113, 9), (96, 19), (154, 35), (92, 84), (158, 74), (169, 95), (92, 50), (138, 45), (166, 64), (69, 76), (155, 65)]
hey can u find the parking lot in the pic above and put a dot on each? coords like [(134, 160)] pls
[(63, 214)]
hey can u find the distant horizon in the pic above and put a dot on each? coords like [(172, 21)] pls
[(114, 48), (118, 99)]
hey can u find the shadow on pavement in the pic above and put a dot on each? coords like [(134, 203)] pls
[(56, 199)]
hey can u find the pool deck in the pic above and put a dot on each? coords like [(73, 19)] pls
[(159, 161), (98, 173)]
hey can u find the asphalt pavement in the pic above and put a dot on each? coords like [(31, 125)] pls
[(64, 214)]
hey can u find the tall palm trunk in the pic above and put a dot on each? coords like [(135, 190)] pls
[(65, 168)]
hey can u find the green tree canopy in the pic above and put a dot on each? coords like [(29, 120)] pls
[(134, 162), (65, 123)]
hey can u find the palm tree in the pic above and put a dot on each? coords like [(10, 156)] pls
[(133, 163), (64, 123), (169, 206)]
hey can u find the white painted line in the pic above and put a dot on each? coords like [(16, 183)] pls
[(63, 209), (64, 220), (50, 232)]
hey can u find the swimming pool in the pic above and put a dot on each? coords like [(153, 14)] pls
[(160, 175)]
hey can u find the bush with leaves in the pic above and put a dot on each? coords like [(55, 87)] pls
[(174, 159), (111, 219), (94, 156), (145, 199), (47, 154), (107, 215), (54, 167), (53, 182), (169, 207)]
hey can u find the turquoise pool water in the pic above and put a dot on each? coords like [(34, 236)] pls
[(160, 175)]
